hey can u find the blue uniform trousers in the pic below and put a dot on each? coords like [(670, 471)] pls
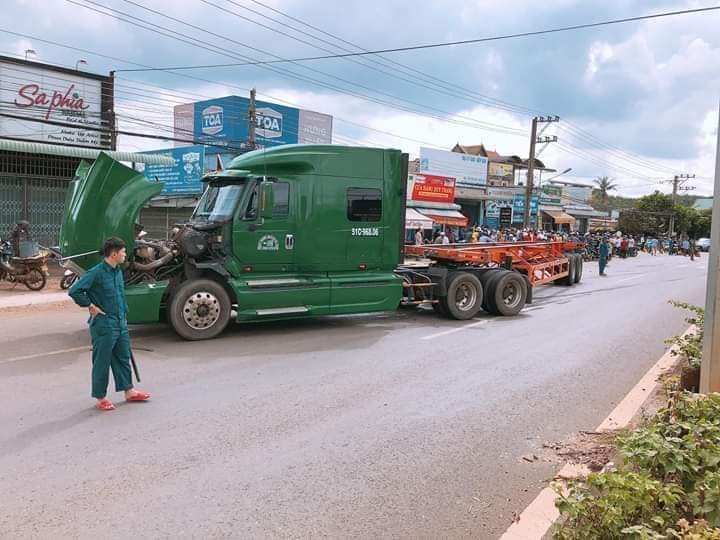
[(110, 351)]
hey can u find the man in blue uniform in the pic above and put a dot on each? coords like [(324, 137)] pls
[(102, 291), (604, 253)]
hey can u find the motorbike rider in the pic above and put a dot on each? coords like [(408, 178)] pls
[(20, 232)]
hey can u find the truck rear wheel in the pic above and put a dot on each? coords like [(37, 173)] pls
[(485, 278), (570, 278), (507, 294), (200, 309), (465, 296), (440, 307), (578, 267)]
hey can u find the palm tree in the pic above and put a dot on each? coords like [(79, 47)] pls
[(604, 184)]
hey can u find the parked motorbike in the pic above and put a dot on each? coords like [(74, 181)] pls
[(69, 277), (31, 271)]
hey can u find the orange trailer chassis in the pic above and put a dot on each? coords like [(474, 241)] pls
[(541, 262)]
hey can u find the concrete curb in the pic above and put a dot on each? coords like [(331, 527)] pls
[(536, 520)]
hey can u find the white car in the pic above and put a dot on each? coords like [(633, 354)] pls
[(703, 244)]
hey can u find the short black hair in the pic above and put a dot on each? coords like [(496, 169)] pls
[(112, 245)]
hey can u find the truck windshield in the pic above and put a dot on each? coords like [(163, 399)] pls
[(219, 201)]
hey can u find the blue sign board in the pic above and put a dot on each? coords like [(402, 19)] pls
[(185, 176), (519, 209), (223, 124)]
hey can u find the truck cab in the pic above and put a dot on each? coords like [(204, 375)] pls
[(292, 231)]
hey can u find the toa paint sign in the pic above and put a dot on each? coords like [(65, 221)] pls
[(212, 120), (223, 125), (269, 123)]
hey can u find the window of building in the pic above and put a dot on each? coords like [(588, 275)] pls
[(364, 204)]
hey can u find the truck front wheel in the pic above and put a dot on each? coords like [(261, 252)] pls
[(200, 309)]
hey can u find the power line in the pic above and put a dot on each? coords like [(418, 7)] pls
[(466, 121), (448, 43)]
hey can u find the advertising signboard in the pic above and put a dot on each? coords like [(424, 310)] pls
[(506, 215), (502, 171), (222, 124), (432, 188), (551, 195), (35, 95), (185, 177), (468, 170), (519, 209)]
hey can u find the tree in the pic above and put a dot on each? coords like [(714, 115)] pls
[(651, 215), (604, 185)]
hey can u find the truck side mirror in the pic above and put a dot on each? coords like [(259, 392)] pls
[(267, 200)]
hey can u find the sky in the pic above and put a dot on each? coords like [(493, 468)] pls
[(637, 102)]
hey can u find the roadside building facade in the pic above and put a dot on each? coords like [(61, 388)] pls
[(48, 115)]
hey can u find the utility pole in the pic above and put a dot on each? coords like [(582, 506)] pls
[(678, 182), (252, 121), (710, 368), (534, 139), (112, 119)]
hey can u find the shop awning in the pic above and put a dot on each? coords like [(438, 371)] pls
[(559, 217), (414, 219), (445, 217), (83, 153)]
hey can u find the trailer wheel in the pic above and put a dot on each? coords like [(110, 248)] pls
[(578, 268), (485, 278), (507, 294), (441, 307), (570, 278), (200, 309), (465, 296)]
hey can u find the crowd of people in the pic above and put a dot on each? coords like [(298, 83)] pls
[(600, 246), (480, 235)]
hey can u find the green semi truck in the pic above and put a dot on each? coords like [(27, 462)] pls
[(288, 232)]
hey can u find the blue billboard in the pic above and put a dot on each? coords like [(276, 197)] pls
[(223, 124), (185, 177), (519, 209)]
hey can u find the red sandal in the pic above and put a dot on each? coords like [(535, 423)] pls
[(139, 396), (104, 405)]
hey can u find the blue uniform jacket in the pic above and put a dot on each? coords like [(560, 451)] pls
[(103, 286)]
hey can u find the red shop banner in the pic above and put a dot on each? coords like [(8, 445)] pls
[(429, 187)]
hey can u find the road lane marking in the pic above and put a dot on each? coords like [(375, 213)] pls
[(630, 278), (541, 513), (454, 330), (50, 353), (54, 353)]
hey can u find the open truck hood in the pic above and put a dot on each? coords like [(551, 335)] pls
[(102, 201)]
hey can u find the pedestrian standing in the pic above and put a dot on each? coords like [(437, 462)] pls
[(686, 246), (419, 240), (624, 246), (604, 253), (102, 291)]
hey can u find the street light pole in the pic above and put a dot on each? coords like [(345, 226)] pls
[(710, 368)]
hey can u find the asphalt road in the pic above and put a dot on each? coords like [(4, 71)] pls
[(399, 425)]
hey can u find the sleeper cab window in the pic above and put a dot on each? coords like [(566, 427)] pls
[(364, 204)]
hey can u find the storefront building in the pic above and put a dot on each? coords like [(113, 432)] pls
[(49, 115), (431, 207)]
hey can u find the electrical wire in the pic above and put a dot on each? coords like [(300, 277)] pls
[(452, 43)]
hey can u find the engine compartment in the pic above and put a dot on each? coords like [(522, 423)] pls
[(173, 259)]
